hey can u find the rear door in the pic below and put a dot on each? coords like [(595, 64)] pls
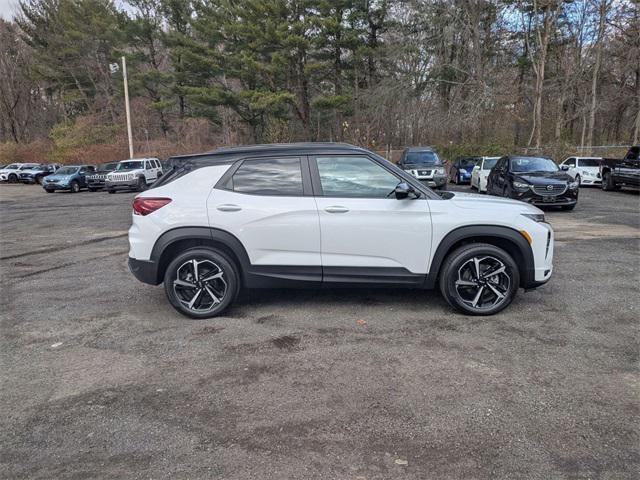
[(366, 233), (267, 204)]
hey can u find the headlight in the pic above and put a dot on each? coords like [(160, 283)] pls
[(520, 186), (536, 217), (439, 171), (573, 185)]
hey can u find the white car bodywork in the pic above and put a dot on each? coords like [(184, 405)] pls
[(480, 173), (151, 169), (330, 231), (584, 168), (15, 168)]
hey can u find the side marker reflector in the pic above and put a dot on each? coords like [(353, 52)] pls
[(526, 235)]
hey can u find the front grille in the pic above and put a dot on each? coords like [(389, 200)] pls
[(549, 190), (120, 177), (424, 172), (97, 177)]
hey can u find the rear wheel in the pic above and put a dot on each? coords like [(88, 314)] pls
[(201, 282), (479, 279), (607, 182)]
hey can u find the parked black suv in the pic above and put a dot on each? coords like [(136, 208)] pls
[(37, 174), (535, 180), (96, 181), (618, 173)]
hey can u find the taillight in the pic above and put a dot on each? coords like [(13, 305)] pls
[(144, 205)]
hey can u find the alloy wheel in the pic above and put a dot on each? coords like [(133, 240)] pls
[(483, 282), (199, 285)]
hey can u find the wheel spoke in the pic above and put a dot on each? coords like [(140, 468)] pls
[(494, 272), (474, 303), (476, 263), (213, 277), (499, 294), (211, 294), (466, 283), (183, 283), (195, 269), (195, 297)]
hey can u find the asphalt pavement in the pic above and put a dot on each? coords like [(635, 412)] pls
[(101, 378)]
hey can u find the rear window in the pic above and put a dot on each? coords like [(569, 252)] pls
[(273, 176)]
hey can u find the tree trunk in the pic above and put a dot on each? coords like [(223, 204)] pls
[(596, 71)]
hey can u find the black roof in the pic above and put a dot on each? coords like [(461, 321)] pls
[(226, 154)]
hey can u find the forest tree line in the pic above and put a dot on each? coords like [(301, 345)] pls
[(463, 74)]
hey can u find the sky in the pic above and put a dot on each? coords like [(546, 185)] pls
[(8, 8)]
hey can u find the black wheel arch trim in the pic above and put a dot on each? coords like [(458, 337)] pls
[(525, 263)]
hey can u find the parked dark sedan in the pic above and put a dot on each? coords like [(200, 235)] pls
[(460, 171), (96, 180), (535, 180)]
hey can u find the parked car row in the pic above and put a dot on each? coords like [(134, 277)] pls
[(134, 174), (532, 179)]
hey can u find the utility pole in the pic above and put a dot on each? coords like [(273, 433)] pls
[(126, 101)]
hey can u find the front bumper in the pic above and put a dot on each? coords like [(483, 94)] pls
[(145, 271), (121, 184), (56, 186), (96, 182), (567, 198), (27, 179)]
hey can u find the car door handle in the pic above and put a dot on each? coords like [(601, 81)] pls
[(227, 207), (336, 209)]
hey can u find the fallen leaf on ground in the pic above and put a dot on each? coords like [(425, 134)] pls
[(361, 322), (400, 461)]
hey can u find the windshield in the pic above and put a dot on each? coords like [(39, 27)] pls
[(468, 162), (489, 163), (422, 158), (106, 167), (129, 166), (589, 162), (66, 171), (533, 164), (13, 166)]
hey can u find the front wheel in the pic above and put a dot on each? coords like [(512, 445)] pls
[(201, 283), (479, 279), (13, 178), (74, 187), (142, 184), (607, 182), (578, 179)]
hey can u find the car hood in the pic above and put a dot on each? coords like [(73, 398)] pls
[(413, 166), (480, 202), (59, 177), (543, 178), (126, 171)]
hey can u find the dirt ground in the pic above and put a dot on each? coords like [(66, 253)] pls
[(101, 378)]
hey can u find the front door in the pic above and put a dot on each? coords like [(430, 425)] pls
[(366, 234)]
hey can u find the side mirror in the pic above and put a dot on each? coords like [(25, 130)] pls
[(403, 190), (564, 167)]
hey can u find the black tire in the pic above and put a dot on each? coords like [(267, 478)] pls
[(74, 187), (461, 297), (607, 182), (142, 184), (213, 260), (111, 190), (48, 190), (13, 178), (578, 179)]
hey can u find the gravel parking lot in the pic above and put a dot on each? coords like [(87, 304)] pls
[(101, 378)]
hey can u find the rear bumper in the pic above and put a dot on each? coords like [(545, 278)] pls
[(145, 271)]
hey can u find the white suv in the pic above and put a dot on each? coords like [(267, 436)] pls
[(134, 174), (328, 214)]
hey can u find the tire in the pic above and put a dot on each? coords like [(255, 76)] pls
[(111, 190), (578, 179), (210, 262), (74, 187), (142, 184), (48, 190), (608, 184), (39, 180), (459, 267), (13, 178)]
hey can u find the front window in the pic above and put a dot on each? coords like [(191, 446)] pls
[(124, 166), (532, 164), (571, 162), (353, 176), (66, 171), (426, 159), (273, 176), (107, 167), (589, 162), (489, 163)]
